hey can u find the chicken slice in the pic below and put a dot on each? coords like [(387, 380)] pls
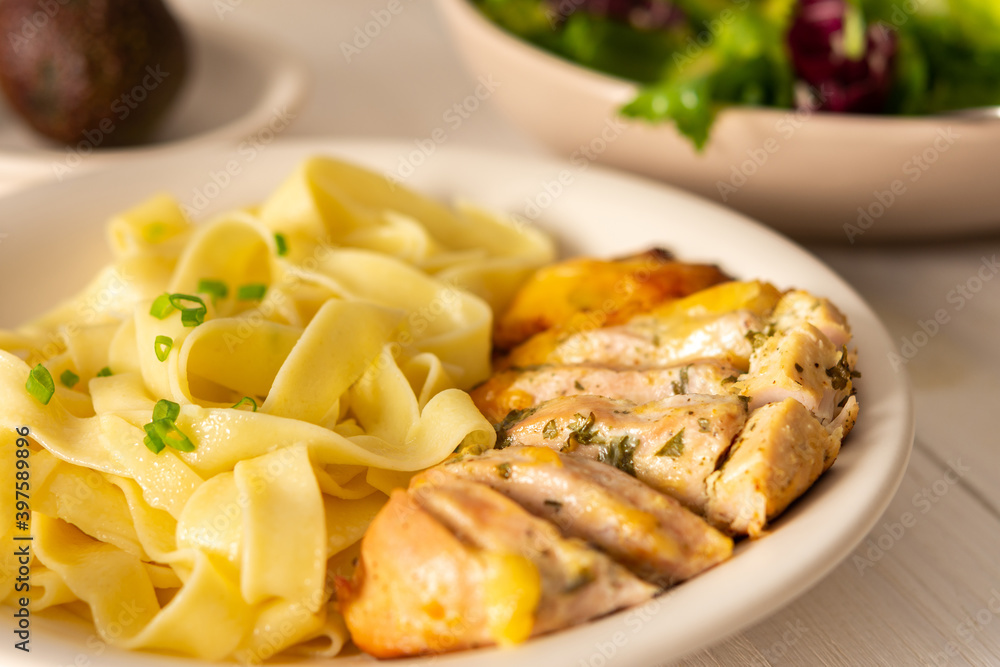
[(672, 444), (712, 323), (800, 306), (781, 452), (615, 289), (649, 532), (800, 363), (517, 389), (452, 564)]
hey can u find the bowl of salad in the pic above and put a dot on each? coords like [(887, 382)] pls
[(852, 120)]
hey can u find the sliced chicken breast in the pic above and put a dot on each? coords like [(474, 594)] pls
[(713, 323), (452, 564), (517, 389), (799, 363), (800, 306), (781, 452), (649, 532), (672, 444)]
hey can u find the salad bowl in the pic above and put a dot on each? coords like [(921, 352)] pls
[(813, 175)]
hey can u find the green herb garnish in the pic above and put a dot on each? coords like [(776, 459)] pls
[(162, 346), (583, 430), (512, 418), (674, 447), (841, 373), (161, 307), (69, 378), (681, 386), (191, 316), (619, 453), (551, 430), (104, 372), (214, 288), (245, 401), (251, 292), (503, 469), (282, 242), (162, 431), (40, 384)]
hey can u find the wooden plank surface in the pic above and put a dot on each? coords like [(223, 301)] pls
[(916, 594)]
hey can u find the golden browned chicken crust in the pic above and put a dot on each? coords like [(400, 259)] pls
[(602, 291)]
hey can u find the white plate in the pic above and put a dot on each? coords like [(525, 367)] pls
[(54, 241), (238, 84), (841, 177)]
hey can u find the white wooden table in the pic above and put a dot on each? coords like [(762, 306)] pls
[(924, 587)]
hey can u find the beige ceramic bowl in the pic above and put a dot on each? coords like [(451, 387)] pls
[(821, 176)]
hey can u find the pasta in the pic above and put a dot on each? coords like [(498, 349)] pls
[(293, 362)]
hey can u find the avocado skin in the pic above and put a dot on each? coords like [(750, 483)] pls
[(73, 79)]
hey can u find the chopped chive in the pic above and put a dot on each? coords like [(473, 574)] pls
[(214, 288), (69, 378), (191, 316), (162, 346), (178, 301), (155, 446), (104, 372), (165, 409), (282, 243), (165, 431), (252, 292), (155, 232), (162, 431), (161, 307), (244, 401), (40, 384)]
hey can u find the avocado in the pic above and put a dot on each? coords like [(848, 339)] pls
[(100, 72)]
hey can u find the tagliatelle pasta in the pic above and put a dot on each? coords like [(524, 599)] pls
[(233, 400)]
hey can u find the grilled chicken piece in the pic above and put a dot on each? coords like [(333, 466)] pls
[(672, 444), (650, 532), (781, 452), (800, 306), (802, 354), (713, 323), (517, 389), (452, 564), (799, 363), (612, 289)]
